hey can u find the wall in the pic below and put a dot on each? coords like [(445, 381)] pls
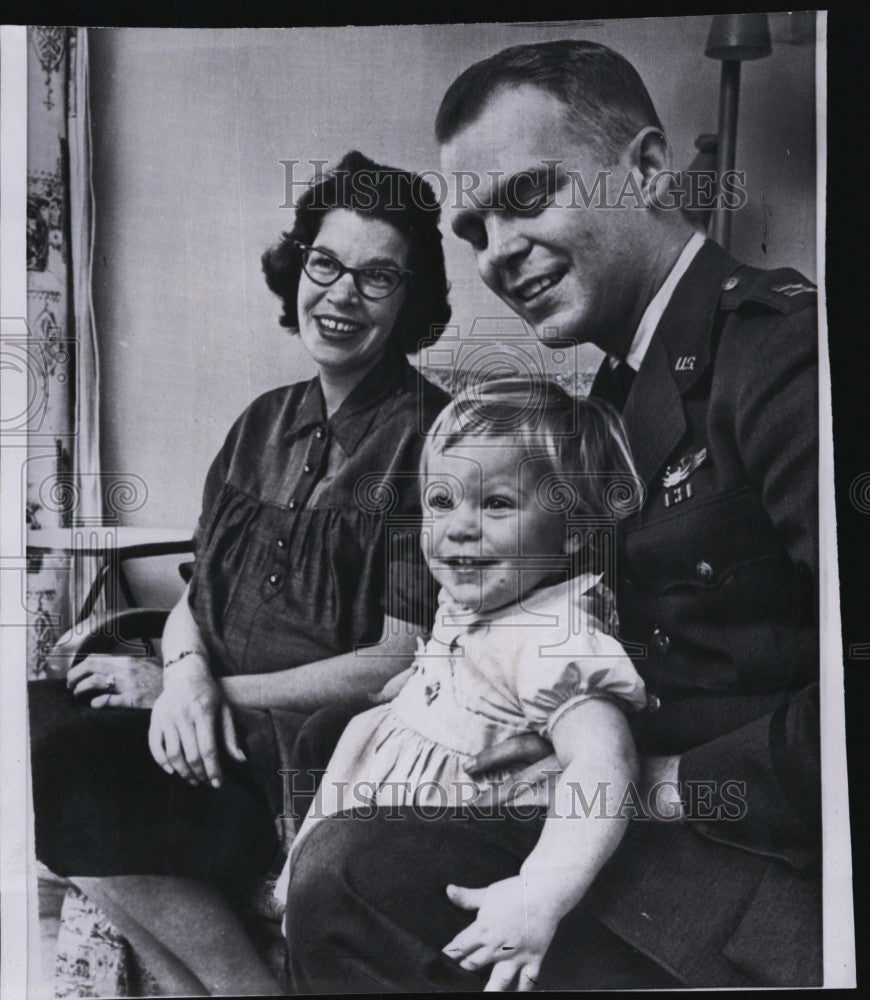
[(189, 129)]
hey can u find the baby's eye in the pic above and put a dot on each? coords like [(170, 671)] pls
[(499, 503)]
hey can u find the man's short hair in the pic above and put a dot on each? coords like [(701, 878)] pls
[(606, 101)]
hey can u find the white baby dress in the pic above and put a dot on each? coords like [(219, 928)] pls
[(478, 680)]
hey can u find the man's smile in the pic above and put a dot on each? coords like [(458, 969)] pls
[(531, 288)]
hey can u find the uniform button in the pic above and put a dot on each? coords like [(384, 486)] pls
[(292, 504), (306, 467), (730, 283), (660, 642), (318, 433), (704, 571), (282, 543), (273, 579)]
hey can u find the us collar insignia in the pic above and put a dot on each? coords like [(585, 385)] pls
[(674, 480)]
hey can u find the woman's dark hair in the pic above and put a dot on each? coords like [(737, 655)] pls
[(404, 200)]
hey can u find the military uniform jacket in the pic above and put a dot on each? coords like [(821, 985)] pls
[(717, 591)]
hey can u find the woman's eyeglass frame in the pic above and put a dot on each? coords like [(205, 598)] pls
[(305, 249)]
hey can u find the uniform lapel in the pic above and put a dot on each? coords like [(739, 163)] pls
[(680, 351), (654, 417)]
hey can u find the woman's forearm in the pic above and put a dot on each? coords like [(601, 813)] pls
[(581, 831), (345, 680), (181, 633)]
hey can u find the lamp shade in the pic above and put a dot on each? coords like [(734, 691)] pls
[(738, 36)]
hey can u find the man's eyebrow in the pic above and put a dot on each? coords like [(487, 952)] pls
[(543, 174), (547, 176), (543, 171)]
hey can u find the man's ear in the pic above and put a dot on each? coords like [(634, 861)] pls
[(649, 155)]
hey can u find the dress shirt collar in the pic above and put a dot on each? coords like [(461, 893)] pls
[(349, 423), (310, 411), (659, 302)]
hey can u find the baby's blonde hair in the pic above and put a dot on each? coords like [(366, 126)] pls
[(583, 439)]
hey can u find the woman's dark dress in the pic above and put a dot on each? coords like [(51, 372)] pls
[(308, 537)]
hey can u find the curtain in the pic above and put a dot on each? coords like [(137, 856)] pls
[(63, 483)]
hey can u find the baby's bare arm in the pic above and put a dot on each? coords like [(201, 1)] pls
[(595, 747), (517, 917)]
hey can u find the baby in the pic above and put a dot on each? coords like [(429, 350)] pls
[(514, 473)]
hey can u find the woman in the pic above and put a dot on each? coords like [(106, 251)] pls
[(304, 521)]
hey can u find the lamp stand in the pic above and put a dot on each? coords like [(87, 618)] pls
[(729, 98)]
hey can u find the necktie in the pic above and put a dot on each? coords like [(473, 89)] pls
[(613, 382)]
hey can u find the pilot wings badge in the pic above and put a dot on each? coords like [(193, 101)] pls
[(674, 479)]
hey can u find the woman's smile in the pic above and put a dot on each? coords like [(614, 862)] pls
[(334, 327)]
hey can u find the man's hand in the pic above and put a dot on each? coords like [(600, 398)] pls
[(116, 681), (511, 932), (528, 749), (189, 723), (659, 775), (660, 787)]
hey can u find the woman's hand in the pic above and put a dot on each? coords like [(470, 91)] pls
[(511, 932), (116, 681), (189, 723)]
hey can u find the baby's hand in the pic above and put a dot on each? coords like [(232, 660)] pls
[(512, 932)]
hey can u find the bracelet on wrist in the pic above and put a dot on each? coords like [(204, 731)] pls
[(182, 656)]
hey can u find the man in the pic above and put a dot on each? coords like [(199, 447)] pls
[(714, 366)]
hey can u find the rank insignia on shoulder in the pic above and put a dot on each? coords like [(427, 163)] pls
[(785, 290), (674, 479), (795, 288)]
